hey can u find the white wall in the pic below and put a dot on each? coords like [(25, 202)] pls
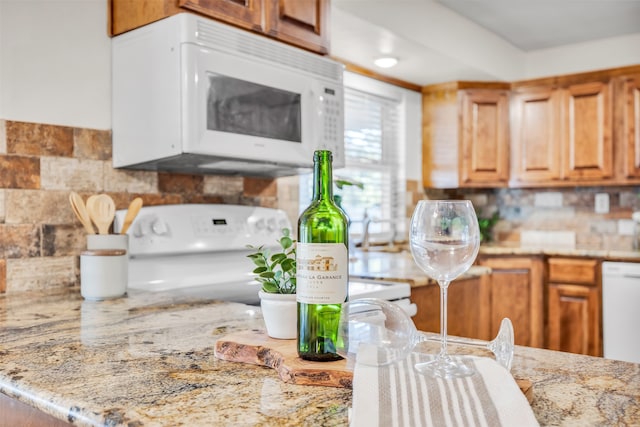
[(575, 58), (55, 62)]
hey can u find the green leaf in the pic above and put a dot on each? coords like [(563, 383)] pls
[(286, 242), (267, 274), (259, 270), (277, 258), (288, 264), (270, 288)]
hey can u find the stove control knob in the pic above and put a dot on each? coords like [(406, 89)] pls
[(159, 227), (142, 227), (260, 225)]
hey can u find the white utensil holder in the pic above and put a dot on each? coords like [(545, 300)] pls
[(104, 274)]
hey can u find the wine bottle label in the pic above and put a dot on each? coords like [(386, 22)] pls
[(322, 273)]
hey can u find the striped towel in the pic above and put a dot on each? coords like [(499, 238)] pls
[(397, 395)]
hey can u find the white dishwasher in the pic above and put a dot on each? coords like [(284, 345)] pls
[(621, 310)]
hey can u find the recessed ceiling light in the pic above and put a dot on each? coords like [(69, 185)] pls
[(386, 61)]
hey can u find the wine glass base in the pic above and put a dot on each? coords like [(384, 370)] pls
[(445, 367)]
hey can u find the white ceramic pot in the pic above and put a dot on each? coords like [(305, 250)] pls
[(280, 313)]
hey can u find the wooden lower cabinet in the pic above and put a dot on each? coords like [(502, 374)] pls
[(467, 311), (574, 322), (573, 319), (517, 292)]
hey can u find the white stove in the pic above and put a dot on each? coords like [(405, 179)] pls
[(200, 250)]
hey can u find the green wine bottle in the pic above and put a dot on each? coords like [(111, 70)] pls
[(322, 260)]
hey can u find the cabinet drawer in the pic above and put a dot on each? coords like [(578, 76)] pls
[(571, 270)]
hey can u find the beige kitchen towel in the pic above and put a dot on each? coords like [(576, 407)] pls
[(398, 395)]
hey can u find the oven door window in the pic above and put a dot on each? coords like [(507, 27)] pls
[(241, 107)]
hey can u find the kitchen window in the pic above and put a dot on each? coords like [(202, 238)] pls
[(374, 157)]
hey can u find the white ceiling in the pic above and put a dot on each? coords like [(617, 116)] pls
[(448, 40)]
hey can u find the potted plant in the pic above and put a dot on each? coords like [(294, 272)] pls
[(276, 272)]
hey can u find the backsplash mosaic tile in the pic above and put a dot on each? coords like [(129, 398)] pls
[(40, 238)]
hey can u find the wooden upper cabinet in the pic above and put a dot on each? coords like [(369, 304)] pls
[(563, 131), (303, 23), (587, 132), (242, 13), (627, 128), (300, 22), (484, 140), (535, 137), (465, 135)]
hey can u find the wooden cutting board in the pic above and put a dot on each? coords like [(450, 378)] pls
[(257, 348)]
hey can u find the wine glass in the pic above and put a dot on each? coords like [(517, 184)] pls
[(444, 238), (376, 332)]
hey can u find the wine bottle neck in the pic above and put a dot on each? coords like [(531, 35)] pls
[(322, 176)]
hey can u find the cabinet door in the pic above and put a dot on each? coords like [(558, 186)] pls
[(587, 145), (629, 132), (517, 292), (245, 13), (467, 308), (303, 23), (574, 319), (484, 136), (535, 135)]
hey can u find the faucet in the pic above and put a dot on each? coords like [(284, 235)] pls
[(366, 222)]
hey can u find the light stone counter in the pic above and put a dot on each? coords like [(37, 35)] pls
[(397, 267), (605, 254), (148, 359)]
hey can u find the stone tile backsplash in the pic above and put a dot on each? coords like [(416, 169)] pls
[(558, 210), (40, 238)]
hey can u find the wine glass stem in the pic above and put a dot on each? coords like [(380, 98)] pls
[(444, 286)]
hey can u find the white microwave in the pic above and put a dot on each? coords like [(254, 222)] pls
[(194, 95)]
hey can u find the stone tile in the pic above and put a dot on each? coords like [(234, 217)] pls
[(19, 172), (630, 199), (63, 240), (21, 241), (92, 144), (3, 275), (288, 188), (63, 173), (604, 227), (222, 185), (3, 137), (179, 183), (2, 209), (412, 185), (36, 207), (130, 181), (260, 187), (39, 139), (152, 199), (24, 274)]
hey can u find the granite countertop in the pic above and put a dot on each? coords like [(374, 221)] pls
[(605, 254), (397, 267), (148, 359)]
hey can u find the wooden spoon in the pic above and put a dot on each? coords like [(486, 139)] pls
[(132, 212), (79, 208), (102, 210)]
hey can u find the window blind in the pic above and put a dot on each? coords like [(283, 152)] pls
[(372, 158)]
